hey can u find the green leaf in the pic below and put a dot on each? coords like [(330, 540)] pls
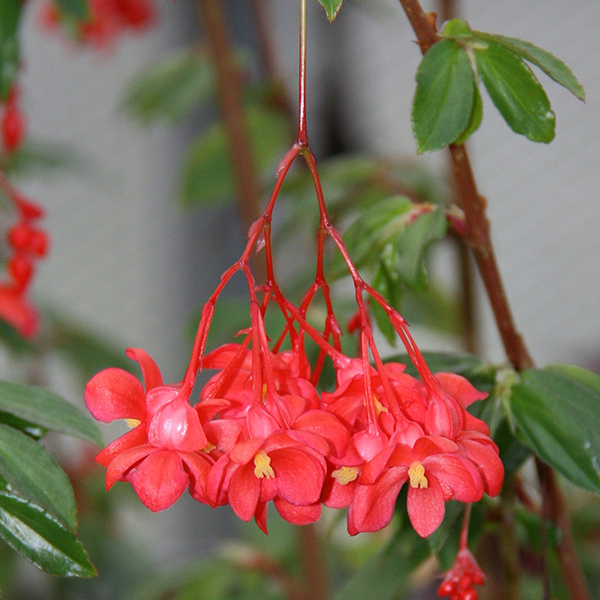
[(332, 8), (474, 120), (556, 411), (412, 245), (516, 92), (207, 172), (384, 283), (48, 410), (443, 101), (77, 9), (31, 429), (34, 474), (444, 362), (42, 539), (457, 28), (552, 66), (10, 17), (42, 157), (172, 88)]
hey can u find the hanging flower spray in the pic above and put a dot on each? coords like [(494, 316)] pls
[(262, 431)]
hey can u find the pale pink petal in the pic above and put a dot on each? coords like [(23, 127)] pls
[(297, 515), (176, 426), (244, 492), (373, 505), (150, 370), (115, 394), (426, 507), (159, 480)]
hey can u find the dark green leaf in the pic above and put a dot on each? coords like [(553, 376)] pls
[(34, 474), (512, 452), (48, 410), (172, 88), (77, 9), (384, 283), (474, 120), (552, 66), (41, 538), (412, 244), (443, 100), (332, 8), (10, 17), (516, 92), (556, 411), (31, 429), (207, 173), (13, 340)]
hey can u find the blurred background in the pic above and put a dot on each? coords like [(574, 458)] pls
[(135, 264)]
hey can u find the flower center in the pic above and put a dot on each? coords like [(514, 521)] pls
[(417, 476), (379, 408), (208, 448), (132, 423), (345, 475), (262, 466)]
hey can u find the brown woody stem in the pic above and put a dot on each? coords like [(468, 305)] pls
[(478, 238)]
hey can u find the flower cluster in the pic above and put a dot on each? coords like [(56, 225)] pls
[(107, 20), (458, 582), (285, 442)]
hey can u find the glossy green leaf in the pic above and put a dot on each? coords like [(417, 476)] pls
[(45, 408), (42, 539), (516, 92), (412, 245), (552, 66), (31, 429), (207, 172), (332, 8), (33, 473), (443, 101), (172, 88), (10, 17), (474, 120), (556, 411), (77, 9)]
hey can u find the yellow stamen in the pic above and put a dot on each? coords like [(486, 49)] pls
[(345, 475), (264, 391), (417, 476), (379, 408), (208, 448), (262, 466), (132, 423)]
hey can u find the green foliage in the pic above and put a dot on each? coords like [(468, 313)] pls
[(332, 8), (447, 107), (41, 157), (77, 9), (516, 92), (556, 412), (32, 472), (172, 88), (444, 98), (48, 410), (10, 18), (41, 538), (207, 176)]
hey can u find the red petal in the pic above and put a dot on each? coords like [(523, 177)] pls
[(373, 505), (124, 461), (244, 452), (159, 480), (328, 427), (460, 388), (135, 437), (217, 482), (458, 473), (150, 370), (298, 515), (260, 516), (115, 394), (176, 426), (244, 492), (426, 506), (485, 458), (198, 466), (300, 475), (336, 495)]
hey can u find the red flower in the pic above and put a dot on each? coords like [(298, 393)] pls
[(459, 580), (16, 310), (160, 456)]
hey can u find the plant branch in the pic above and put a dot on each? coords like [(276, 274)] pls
[(230, 97), (478, 238)]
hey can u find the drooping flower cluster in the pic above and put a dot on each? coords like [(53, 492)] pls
[(459, 580), (107, 20)]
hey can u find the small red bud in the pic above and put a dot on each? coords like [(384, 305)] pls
[(38, 243), (446, 588), (19, 236), (469, 594), (13, 127), (21, 270)]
